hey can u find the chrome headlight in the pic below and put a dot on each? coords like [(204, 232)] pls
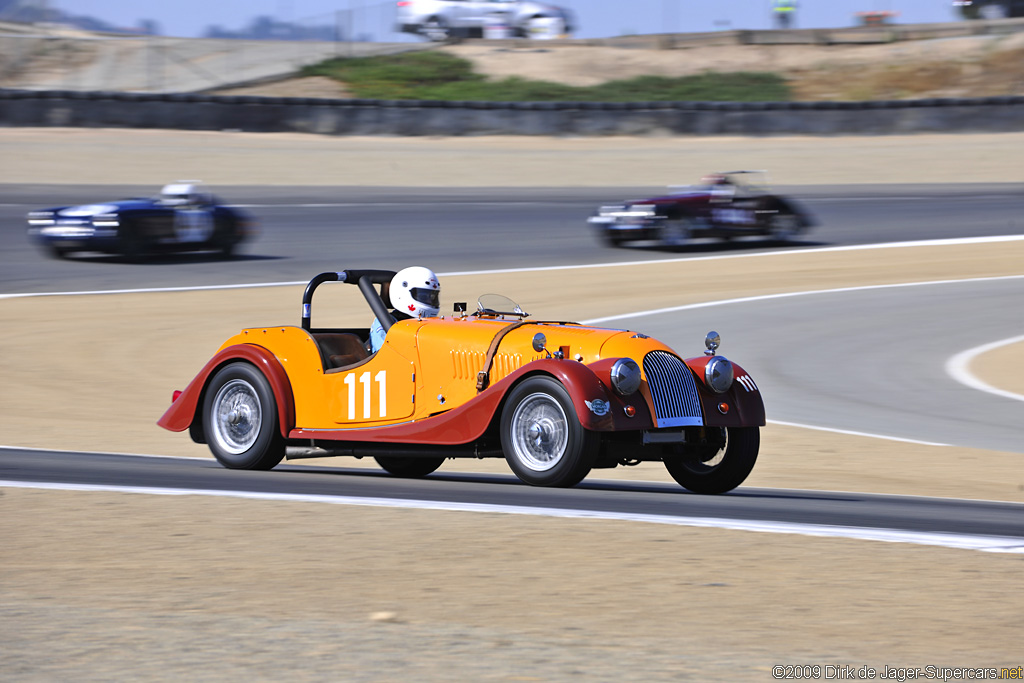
[(40, 218), (718, 374), (106, 220), (625, 376)]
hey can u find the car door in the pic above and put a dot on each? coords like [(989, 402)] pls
[(733, 210), (378, 391), (457, 13), (482, 13), (193, 224)]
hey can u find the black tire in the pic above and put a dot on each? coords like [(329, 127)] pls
[(53, 251), (409, 467), (719, 466), (543, 440), (240, 419), (131, 242), (610, 239), (225, 239), (436, 30)]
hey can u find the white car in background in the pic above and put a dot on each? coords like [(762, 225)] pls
[(443, 19), (990, 9)]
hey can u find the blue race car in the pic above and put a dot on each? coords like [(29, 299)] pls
[(183, 217)]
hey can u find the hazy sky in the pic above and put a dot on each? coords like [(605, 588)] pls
[(596, 18)]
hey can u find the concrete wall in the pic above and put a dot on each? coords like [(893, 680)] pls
[(375, 117)]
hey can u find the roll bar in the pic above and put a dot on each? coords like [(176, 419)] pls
[(365, 279)]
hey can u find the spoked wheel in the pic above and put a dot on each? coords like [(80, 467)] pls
[(543, 440), (676, 232), (408, 467), (721, 464), (784, 227), (240, 419)]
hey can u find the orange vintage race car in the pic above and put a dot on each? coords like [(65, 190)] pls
[(554, 398)]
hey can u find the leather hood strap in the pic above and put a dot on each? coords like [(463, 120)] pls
[(483, 378)]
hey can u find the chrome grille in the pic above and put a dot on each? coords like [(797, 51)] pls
[(676, 402)]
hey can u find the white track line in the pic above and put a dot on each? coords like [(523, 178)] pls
[(786, 295), (764, 297), (672, 309), (958, 367), (616, 264), (850, 432), (995, 544)]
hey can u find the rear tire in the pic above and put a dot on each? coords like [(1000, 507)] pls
[(409, 467), (543, 440), (226, 238), (240, 419), (437, 30), (718, 466)]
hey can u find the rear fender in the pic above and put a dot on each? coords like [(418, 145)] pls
[(184, 412)]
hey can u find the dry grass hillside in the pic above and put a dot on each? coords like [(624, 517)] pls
[(973, 66)]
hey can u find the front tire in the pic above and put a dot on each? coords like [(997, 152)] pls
[(543, 440), (718, 466), (131, 242), (408, 467), (53, 251), (610, 238), (240, 419)]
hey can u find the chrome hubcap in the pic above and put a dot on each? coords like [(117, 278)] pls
[(540, 432), (237, 416)]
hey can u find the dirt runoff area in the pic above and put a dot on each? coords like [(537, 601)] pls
[(114, 586)]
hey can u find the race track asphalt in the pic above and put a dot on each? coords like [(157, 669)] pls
[(307, 230)]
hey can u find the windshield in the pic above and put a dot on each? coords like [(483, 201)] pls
[(750, 182), (498, 305)]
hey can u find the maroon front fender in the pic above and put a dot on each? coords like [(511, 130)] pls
[(745, 405), (183, 411)]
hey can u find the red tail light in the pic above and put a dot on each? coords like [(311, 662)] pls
[(175, 395), (404, 3)]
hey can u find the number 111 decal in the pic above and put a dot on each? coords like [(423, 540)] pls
[(364, 380)]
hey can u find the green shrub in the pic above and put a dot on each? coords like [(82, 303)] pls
[(432, 75)]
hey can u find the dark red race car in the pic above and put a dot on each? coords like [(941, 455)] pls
[(724, 206)]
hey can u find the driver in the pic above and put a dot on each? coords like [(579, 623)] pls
[(415, 293)]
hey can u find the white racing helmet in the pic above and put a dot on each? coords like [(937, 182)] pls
[(416, 292)]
